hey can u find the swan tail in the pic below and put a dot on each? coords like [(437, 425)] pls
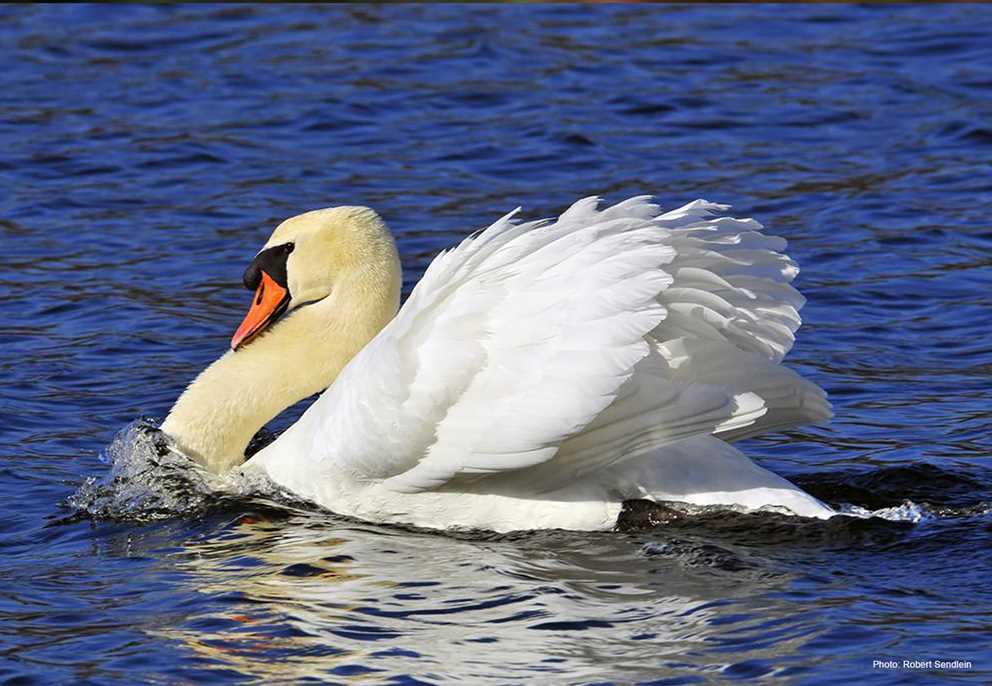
[(706, 471)]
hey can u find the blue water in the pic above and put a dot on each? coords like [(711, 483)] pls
[(145, 155)]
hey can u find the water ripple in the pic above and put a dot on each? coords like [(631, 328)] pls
[(149, 150)]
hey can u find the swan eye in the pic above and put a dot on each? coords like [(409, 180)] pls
[(272, 261)]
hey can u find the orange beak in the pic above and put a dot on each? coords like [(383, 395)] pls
[(269, 304)]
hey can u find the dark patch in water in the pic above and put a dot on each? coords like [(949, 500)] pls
[(773, 528), (948, 487), (636, 515)]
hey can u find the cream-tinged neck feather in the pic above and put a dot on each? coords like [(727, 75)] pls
[(344, 278)]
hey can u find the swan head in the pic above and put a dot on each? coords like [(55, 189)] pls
[(306, 257), (325, 284)]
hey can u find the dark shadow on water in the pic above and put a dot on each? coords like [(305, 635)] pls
[(949, 487)]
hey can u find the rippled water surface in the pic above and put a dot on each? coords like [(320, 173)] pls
[(146, 153)]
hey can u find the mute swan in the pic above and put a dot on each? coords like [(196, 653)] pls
[(540, 374)]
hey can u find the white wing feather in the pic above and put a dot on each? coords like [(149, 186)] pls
[(555, 349)]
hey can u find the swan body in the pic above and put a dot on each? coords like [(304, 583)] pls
[(539, 375)]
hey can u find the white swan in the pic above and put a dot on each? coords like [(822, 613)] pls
[(539, 375)]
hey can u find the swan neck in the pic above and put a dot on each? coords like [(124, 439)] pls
[(218, 414)]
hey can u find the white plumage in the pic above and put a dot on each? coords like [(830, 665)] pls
[(542, 373)]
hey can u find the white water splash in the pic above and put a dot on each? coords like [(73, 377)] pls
[(149, 480), (907, 512)]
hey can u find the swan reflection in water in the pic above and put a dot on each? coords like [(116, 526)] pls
[(317, 599)]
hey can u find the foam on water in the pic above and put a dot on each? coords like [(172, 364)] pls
[(907, 512), (145, 483)]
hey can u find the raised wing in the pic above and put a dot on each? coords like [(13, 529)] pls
[(560, 348)]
